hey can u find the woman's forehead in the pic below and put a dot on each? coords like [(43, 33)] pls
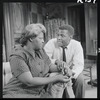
[(63, 31), (41, 34)]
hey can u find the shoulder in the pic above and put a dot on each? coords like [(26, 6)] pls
[(44, 56), (42, 52), (20, 54), (75, 42), (52, 41)]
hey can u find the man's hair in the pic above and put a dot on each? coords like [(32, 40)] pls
[(67, 27)]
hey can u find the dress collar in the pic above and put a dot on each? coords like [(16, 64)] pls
[(31, 53)]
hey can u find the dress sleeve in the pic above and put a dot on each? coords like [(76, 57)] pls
[(18, 65)]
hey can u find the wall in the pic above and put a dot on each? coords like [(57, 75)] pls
[(16, 17), (91, 28), (38, 13), (90, 11)]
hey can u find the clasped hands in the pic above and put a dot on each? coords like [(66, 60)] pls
[(62, 67)]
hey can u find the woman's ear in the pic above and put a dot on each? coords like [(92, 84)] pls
[(30, 40)]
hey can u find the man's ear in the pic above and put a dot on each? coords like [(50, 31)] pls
[(71, 36)]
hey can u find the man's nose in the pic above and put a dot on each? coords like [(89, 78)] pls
[(59, 37)]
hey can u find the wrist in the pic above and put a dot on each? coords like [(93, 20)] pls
[(73, 73), (58, 69), (56, 61), (55, 78)]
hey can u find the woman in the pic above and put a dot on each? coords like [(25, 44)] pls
[(30, 67)]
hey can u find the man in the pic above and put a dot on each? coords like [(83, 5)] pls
[(74, 57)]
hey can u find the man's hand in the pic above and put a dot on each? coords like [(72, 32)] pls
[(60, 64), (68, 72), (62, 67)]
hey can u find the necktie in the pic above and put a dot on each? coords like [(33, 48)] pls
[(64, 55), (64, 59), (68, 91), (65, 93)]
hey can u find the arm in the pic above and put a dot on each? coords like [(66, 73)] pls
[(27, 79), (21, 71), (54, 68), (78, 60), (49, 47)]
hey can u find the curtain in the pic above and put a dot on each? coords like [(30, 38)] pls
[(52, 27), (7, 33), (93, 26), (3, 46), (74, 20), (16, 16)]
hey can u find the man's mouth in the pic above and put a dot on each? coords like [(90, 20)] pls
[(59, 41)]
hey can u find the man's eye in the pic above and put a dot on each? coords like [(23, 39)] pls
[(62, 35), (41, 38), (59, 34)]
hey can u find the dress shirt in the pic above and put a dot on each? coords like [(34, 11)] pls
[(74, 54)]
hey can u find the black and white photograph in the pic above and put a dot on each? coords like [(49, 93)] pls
[(49, 49)]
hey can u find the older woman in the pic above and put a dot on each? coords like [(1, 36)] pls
[(30, 67)]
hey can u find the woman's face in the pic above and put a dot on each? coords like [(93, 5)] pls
[(38, 41)]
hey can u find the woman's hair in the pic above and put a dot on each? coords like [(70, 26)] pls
[(31, 31), (67, 27)]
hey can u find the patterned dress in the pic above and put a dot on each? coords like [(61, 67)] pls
[(23, 61)]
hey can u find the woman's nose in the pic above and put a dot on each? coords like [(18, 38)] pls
[(42, 40)]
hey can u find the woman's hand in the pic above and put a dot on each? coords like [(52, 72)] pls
[(68, 72), (62, 78)]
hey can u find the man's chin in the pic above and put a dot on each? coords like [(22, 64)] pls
[(59, 44)]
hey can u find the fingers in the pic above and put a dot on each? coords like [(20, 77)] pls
[(64, 64), (68, 71), (62, 78), (60, 65), (66, 79)]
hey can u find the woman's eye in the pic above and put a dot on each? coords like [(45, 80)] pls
[(62, 35)]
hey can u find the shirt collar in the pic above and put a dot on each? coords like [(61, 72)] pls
[(66, 46), (69, 44)]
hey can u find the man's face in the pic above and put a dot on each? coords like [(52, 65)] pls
[(63, 38), (38, 41)]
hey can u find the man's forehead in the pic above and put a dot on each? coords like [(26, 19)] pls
[(63, 31)]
